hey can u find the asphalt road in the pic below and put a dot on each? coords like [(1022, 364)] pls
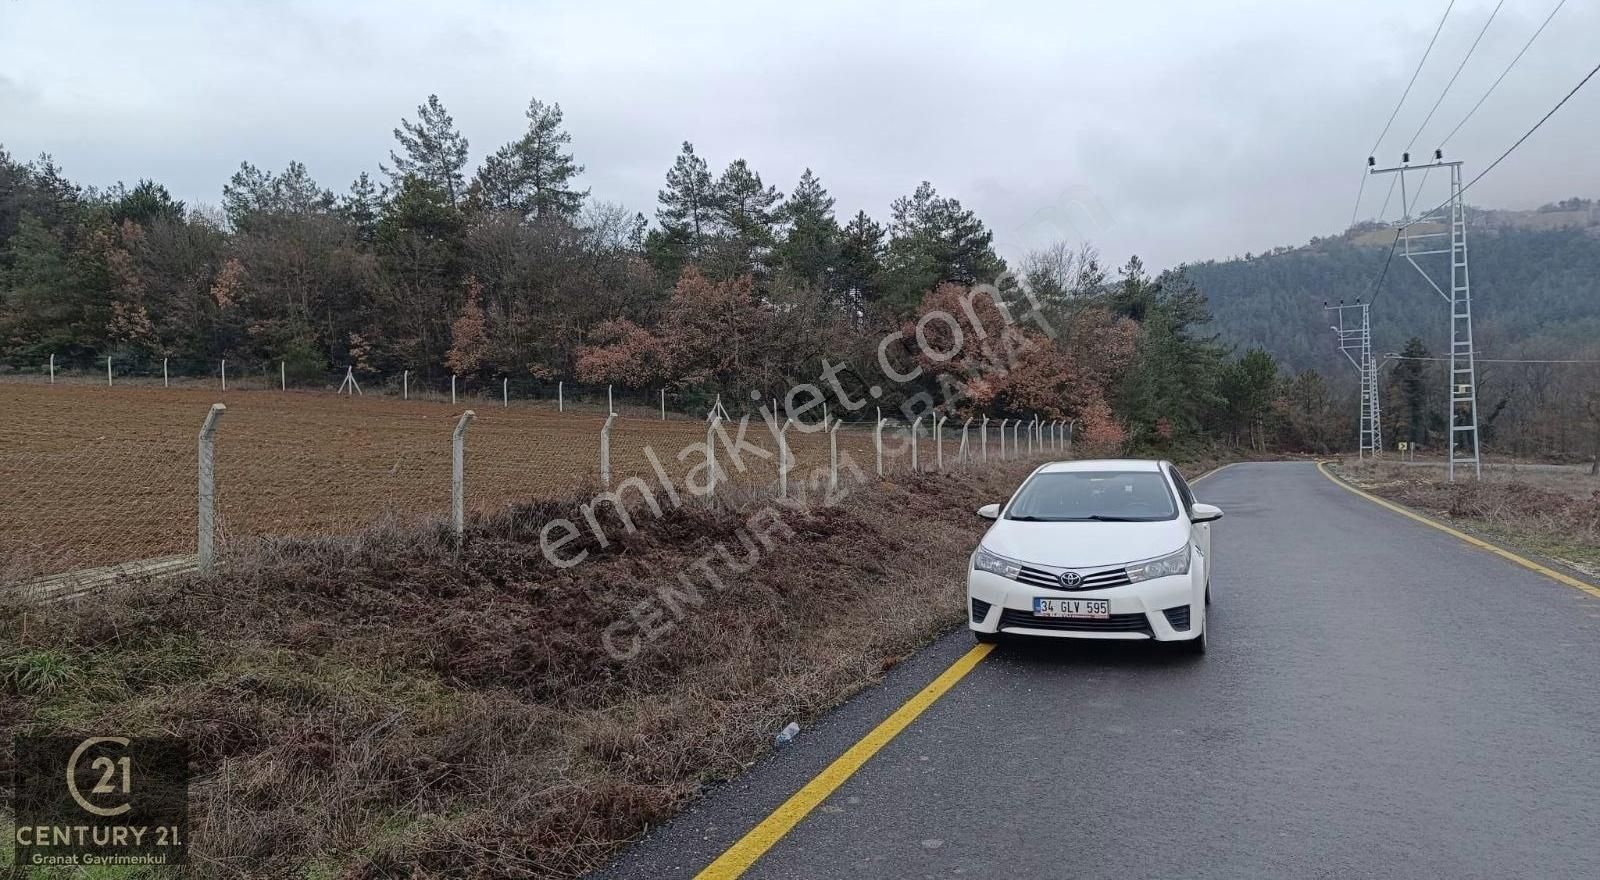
[(1379, 700)]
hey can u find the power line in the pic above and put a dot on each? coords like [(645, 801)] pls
[(1525, 136), (1406, 209), (1400, 357), (1460, 67), (1401, 103), (1377, 288), (1413, 82), (1503, 73)]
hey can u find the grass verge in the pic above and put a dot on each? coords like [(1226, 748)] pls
[(390, 705), (1552, 515)]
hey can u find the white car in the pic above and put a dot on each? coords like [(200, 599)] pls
[(1095, 550)]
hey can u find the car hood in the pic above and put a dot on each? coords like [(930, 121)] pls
[(1085, 544)]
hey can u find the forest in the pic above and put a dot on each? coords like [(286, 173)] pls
[(731, 286), (1536, 314)]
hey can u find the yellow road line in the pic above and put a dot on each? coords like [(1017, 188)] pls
[(739, 857), (1476, 542)]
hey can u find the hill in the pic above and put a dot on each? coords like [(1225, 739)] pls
[(1535, 286)]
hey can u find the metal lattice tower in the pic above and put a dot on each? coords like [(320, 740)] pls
[(1355, 341), (1411, 244)]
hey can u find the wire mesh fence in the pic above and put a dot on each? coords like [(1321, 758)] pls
[(104, 475)]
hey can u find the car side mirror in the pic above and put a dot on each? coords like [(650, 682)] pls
[(1204, 513), (989, 511)]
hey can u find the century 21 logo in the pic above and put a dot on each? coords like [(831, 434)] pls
[(116, 776)]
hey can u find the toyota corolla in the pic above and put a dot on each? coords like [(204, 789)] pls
[(1095, 550)]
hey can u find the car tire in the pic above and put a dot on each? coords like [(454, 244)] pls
[(1196, 645), (986, 638)]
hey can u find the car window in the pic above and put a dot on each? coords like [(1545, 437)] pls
[(1085, 496), (1183, 487)]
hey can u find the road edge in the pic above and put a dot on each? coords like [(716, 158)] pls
[(1510, 556), (742, 855)]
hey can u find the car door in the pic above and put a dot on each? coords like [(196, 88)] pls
[(1202, 531)]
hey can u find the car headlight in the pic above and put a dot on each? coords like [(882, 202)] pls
[(1165, 566), (983, 560)]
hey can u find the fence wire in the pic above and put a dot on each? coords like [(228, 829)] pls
[(97, 475)]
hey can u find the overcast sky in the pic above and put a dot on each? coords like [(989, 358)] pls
[(1176, 130)]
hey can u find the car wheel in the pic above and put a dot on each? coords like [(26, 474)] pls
[(986, 638), (1196, 645)]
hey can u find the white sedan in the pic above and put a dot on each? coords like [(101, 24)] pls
[(1095, 550)]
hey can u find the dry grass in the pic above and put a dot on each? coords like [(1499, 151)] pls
[(1551, 511), (390, 707)]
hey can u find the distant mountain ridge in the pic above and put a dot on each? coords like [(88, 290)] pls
[(1535, 281)]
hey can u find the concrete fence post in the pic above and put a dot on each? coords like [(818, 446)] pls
[(605, 451), (52, 369), (784, 460), (108, 372), (224, 374), (458, 474), (206, 537), (505, 392), (452, 389), (283, 377), (983, 437), (663, 404), (833, 457), (711, 451), (877, 441), (405, 385), (163, 372), (561, 397), (1016, 428), (964, 453), (1003, 439), (938, 441), (916, 426), (610, 407)]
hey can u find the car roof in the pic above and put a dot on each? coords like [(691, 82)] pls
[(1102, 464)]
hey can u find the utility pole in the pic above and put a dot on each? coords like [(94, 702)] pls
[(1355, 341), (1463, 441)]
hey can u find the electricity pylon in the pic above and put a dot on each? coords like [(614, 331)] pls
[(1355, 341), (1463, 374)]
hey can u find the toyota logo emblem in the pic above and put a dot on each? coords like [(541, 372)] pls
[(1071, 580)]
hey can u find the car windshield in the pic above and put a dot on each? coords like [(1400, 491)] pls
[(1094, 496)]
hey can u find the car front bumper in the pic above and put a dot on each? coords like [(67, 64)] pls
[(1165, 609)]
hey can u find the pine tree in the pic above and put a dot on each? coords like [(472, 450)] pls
[(532, 176), (932, 240), (362, 206), (746, 211), (687, 215), (434, 150), (860, 271), (811, 247)]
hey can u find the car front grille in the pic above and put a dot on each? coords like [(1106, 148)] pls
[(1137, 623), (1178, 616), (1098, 580), (980, 610)]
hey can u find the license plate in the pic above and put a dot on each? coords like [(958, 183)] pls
[(1099, 609)]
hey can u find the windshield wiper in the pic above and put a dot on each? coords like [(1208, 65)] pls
[(1027, 518), (1095, 517)]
